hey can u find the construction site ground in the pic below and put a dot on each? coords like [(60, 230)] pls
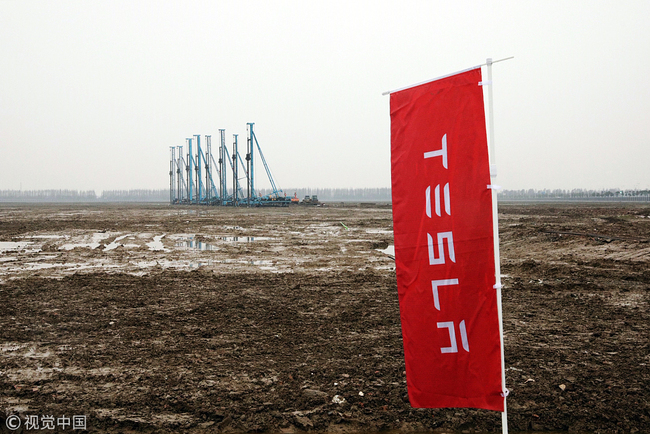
[(158, 318)]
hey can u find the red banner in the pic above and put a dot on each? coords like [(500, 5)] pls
[(444, 251)]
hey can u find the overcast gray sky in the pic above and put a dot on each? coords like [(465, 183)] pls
[(93, 93)]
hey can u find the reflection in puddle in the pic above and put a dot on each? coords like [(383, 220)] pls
[(195, 245), (191, 243), (243, 239)]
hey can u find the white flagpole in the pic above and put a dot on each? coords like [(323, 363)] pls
[(495, 231)]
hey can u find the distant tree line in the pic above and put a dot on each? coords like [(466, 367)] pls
[(340, 194), (324, 195), (161, 195), (47, 196), (577, 194)]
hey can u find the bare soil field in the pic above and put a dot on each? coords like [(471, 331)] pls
[(156, 318)]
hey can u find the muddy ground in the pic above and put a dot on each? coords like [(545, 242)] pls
[(170, 319)]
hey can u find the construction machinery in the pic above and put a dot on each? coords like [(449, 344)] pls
[(310, 200), (192, 179)]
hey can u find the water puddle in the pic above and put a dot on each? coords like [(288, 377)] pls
[(114, 245), (67, 267), (229, 263), (11, 246), (163, 263), (35, 266), (389, 251), (95, 242), (379, 231), (264, 264), (156, 244)]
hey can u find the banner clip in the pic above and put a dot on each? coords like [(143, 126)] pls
[(485, 83), (494, 187), (505, 393), (498, 286)]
